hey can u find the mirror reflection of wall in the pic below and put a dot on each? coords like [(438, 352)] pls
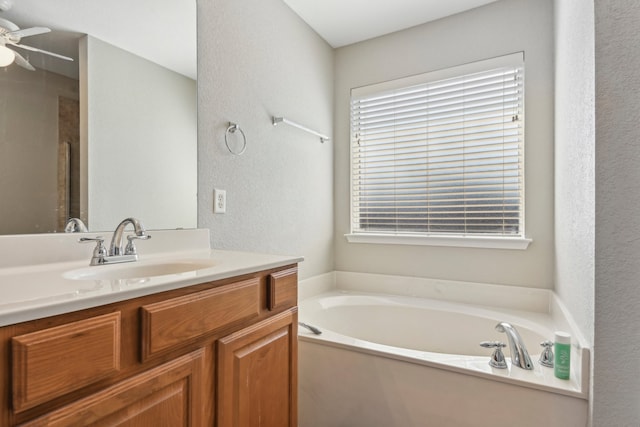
[(142, 139), (29, 147), (139, 139)]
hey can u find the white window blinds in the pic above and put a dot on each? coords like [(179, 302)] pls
[(441, 153)]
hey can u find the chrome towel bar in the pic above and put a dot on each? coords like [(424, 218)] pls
[(276, 120)]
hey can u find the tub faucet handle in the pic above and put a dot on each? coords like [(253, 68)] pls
[(546, 358), (497, 359)]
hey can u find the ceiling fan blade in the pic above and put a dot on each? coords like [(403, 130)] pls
[(8, 25), (33, 31), (35, 49), (23, 62)]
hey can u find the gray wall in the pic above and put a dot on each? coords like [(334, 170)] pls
[(616, 374), (497, 29), (258, 59)]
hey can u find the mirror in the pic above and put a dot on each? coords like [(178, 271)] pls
[(109, 135)]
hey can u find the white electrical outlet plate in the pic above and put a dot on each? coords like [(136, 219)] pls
[(219, 201)]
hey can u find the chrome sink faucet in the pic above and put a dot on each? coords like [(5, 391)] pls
[(519, 354), (116, 247), (117, 252)]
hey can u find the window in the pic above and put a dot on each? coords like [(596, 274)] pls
[(440, 155)]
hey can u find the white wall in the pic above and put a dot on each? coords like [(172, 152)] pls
[(574, 159), (142, 139), (616, 375), (257, 59), (496, 29)]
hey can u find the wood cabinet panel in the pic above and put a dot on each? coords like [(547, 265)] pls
[(169, 395), (178, 320), (52, 362), (282, 289), (257, 374)]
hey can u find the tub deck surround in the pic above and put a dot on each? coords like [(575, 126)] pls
[(357, 311), (35, 282)]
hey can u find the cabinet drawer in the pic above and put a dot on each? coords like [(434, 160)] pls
[(282, 289), (169, 395), (55, 361), (175, 321)]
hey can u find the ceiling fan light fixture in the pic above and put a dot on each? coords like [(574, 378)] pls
[(7, 56), (5, 5)]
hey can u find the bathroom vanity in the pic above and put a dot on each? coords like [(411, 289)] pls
[(214, 347)]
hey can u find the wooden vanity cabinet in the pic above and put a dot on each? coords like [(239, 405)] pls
[(222, 353)]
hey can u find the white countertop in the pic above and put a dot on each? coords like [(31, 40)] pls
[(33, 291)]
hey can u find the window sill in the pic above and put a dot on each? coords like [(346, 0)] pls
[(517, 243)]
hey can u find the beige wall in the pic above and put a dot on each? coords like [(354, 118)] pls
[(29, 148), (257, 59), (497, 29)]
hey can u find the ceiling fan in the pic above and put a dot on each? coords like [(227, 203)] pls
[(11, 35)]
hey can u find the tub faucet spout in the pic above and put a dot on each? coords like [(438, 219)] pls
[(519, 354)]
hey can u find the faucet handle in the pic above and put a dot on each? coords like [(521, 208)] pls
[(100, 251), (99, 243), (497, 359), (130, 249), (546, 357)]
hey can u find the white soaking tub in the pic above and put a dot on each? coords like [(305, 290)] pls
[(414, 359)]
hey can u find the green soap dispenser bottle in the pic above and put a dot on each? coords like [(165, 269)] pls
[(562, 355)]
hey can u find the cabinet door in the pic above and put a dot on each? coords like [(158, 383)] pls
[(257, 374), (166, 396)]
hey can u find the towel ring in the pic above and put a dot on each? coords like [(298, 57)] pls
[(233, 127)]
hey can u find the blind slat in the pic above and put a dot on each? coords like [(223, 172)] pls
[(442, 156)]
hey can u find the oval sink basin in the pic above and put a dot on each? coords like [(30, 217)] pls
[(136, 270)]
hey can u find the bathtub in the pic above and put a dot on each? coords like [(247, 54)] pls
[(405, 352)]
